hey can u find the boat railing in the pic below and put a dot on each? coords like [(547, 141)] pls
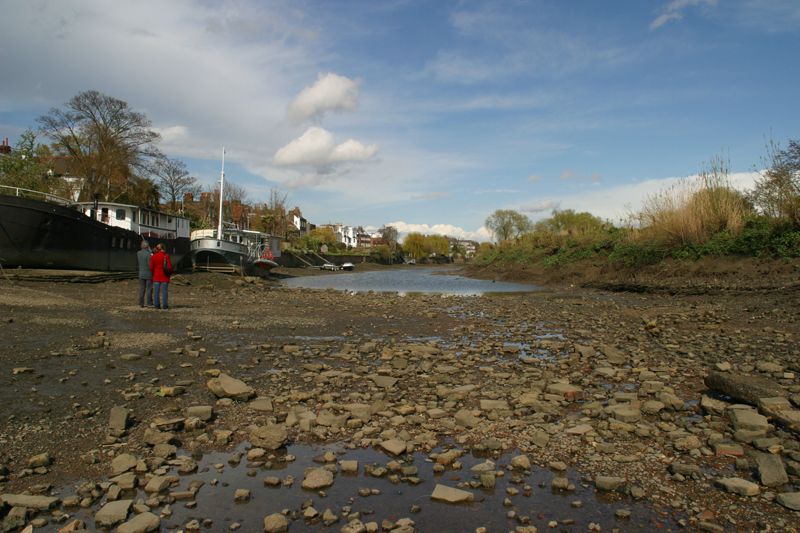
[(35, 195)]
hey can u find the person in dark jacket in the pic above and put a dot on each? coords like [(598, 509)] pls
[(161, 268), (145, 276)]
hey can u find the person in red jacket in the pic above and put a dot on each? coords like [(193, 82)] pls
[(161, 267)]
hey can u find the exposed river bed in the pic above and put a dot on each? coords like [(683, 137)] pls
[(568, 409)]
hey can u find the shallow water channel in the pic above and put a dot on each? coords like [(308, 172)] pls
[(428, 280), (518, 497)]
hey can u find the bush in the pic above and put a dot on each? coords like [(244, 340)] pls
[(692, 212)]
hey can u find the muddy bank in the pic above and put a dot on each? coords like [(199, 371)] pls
[(587, 395), (707, 276)]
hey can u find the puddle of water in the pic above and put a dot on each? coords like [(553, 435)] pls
[(534, 498)]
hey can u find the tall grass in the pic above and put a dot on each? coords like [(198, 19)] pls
[(694, 210)]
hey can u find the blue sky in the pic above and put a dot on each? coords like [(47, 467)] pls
[(428, 115)]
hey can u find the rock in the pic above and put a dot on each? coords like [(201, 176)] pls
[(40, 503), (712, 406), (748, 419), (157, 484), (269, 437), (494, 405), (141, 523), (276, 523), (122, 463), (790, 500), (739, 486), (42, 459), (465, 418), (112, 513), (349, 466), (317, 478), (609, 483), (385, 382), (261, 404), (118, 420), (203, 412), (450, 494), (771, 470), (394, 446), (566, 390), (225, 386), (743, 388), (782, 411), (241, 495), (521, 462)]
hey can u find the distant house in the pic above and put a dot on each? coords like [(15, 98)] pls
[(470, 247), (363, 240)]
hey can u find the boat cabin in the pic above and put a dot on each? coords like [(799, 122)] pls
[(146, 222)]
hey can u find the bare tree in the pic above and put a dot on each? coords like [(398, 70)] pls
[(174, 180), (108, 142)]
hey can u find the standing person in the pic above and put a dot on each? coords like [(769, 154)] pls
[(145, 276), (161, 267)]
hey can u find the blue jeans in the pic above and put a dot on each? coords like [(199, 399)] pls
[(145, 289), (160, 289)]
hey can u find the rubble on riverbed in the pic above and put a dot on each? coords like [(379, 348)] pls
[(684, 406)]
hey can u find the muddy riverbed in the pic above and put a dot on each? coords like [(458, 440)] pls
[(565, 408)]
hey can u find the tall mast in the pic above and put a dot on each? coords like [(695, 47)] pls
[(221, 192)]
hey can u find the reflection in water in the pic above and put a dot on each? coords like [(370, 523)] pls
[(408, 280)]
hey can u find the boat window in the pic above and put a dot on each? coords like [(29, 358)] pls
[(169, 220), (120, 214), (104, 214), (113, 242), (133, 216)]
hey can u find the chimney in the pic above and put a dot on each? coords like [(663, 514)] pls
[(5, 148)]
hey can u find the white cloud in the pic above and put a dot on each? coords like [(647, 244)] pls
[(404, 228), (674, 11), (533, 178), (352, 150), (317, 148), (331, 92)]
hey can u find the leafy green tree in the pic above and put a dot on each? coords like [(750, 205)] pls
[(437, 245), (414, 245), (27, 165), (507, 223), (569, 222)]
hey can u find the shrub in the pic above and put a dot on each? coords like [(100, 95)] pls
[(692, 212)]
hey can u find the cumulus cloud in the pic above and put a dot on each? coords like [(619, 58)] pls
[(404, 228), (331, 92), (674, 11), (533, 178), (317, 148)]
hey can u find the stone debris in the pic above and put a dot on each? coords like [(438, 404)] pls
[(447, 494), (317, 478), (224, 386), (113, 513), (276, 523)]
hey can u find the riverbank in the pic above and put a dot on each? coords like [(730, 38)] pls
[(602, 393), (704, 276)]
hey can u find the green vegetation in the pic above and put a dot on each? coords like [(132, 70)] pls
[(704, 217), (420, 246)]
